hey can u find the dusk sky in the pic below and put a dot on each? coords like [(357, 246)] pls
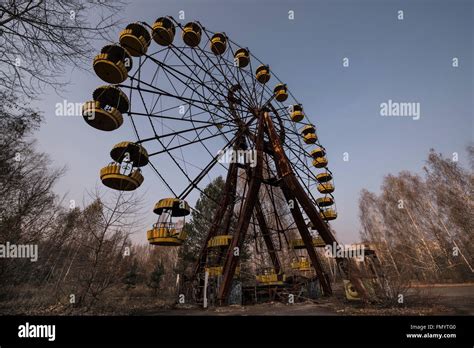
[(409, 60)]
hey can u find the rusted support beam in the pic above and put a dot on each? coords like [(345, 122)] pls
[(224, 204), (307, 239), (229, 214), (285, 171), (235, 248), (230, 210), (262, 224), (292, 184)]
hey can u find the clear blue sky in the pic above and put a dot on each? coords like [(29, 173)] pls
[(405, 61)]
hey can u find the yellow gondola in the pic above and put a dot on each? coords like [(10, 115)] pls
[(216, 271), (317, 152), (308, 133), (166, 235), (270, 277), (106, 119), (299, 244), (219, 241), (178, 207), (328, 214), (166, 231), (262, 73), (113, 177), (218, 43), (132, 152), (324, 201), (350, 290), (281, 92), (113, 64), (310, 138), (163, 31), (135, 39), (303, 264), (242, 58), (124, 175), (297, 113), (308, 129), (326, 187), (192, 34), (105, 111), (320, 162), (324, 177)]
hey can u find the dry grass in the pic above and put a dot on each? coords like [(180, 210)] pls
[(117, 301)]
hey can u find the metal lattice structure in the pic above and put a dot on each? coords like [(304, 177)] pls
[(190, 102)]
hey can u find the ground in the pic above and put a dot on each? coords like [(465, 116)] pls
[(453, 299), (438, 299)]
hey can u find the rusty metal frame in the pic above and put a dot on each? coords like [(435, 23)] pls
[(226, 205), (292, 190), (262, 224), (307, 239), (292, 187), (231, 259)]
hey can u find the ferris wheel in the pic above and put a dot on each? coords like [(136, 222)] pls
[(191, 101)]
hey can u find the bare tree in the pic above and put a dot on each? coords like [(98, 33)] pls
[(422, 226), (105, 230), (39, 39), (28, 205), (451, 198)]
